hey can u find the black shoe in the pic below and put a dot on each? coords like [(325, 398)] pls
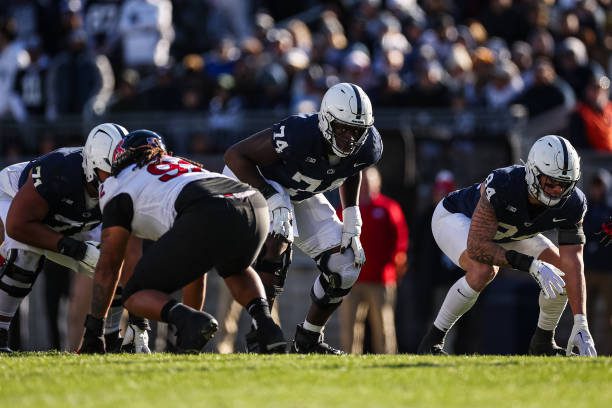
[(266, 340), (433, 342), (113, 342), (309, 342), (543, 344), (194, 332), (4, 341)]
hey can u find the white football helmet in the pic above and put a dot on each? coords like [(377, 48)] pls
[(345, 117), (99, 148), (555, 157)]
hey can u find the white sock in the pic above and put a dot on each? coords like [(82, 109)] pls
[(551, 311), (311, 327), (113, 319), (459, 299)]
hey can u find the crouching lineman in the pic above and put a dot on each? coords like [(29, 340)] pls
[(49, 208), (499, 222), (293, 163), (198, 220)]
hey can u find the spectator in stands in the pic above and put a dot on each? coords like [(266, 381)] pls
[(31, 83), (547, 91), (145, 27), (373, 295), (591, 123), (505, 85), (75, 77), (12, 58)]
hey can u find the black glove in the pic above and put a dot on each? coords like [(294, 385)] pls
[(93, 339), (72, 247)]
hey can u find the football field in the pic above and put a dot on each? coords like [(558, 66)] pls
[(241, 380)]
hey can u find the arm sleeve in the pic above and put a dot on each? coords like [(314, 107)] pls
[(119, 211)]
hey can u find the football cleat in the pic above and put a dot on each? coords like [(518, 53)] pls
[(135, 340), (194, 332), (4, 341), (433, 342), (309, 342), (268, 340), (542, 343)]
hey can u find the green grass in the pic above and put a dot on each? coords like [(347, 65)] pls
[(241, 380)]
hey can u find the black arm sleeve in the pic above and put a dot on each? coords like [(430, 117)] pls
[(572, 237), (118, 212)]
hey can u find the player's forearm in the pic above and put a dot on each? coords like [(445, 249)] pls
[(35, 234), (575, 285), (486, 252), (104, 286), (245, 169), (349, 191)]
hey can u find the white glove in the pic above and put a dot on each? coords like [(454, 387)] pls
[(351, 230), (135, 339), (581, 338), (92, 254), (548, 277), (281, 218)]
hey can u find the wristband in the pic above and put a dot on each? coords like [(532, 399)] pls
[(71, 247), (518, 260), (267, 191), (94, 325)]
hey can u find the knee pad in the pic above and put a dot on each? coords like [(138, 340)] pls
[(276, 268), (338, 275), (16, 282)]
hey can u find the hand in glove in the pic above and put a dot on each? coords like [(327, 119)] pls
[(351, 230), (281, 218), (93, 339), (549, 277), (581, 338)]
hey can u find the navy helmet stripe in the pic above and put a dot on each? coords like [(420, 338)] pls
[(358, 101), (118, 129), (565, 154)]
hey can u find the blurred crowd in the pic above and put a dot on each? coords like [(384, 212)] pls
[(98, 57)]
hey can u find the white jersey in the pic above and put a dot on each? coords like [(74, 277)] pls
[(153, 189)]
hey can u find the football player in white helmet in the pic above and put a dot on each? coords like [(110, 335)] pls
[(293, 163), (48, 211), (499, 223)]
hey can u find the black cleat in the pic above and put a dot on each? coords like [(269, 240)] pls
[(194, 332), (266, 340), (433, 342), (309, 342), (543, 344), (4, 341)]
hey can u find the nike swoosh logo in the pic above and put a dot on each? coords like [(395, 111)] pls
[(558, 219), (459, 290), (358, 164)]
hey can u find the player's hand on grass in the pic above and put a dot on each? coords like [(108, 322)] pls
[(581, 338)]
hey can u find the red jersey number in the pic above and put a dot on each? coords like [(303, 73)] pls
[(171, 169)]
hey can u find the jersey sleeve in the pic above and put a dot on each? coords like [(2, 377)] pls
[(495, 187), (49, 181), (571, 231), (283, 138), (118, 212)]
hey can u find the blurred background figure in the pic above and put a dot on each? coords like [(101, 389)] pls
[(431, 271), (591, 123), (598, 260), (385, 241)]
